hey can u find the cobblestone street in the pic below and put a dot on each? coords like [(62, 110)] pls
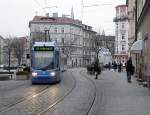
[(117, 97), (110, 94), (22, 98), (114, 96)]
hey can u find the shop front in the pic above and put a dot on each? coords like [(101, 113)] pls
[(137, 55)]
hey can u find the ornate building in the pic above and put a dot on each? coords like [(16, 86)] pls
[(121, 34)]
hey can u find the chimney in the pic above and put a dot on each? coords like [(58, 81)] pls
[(72, 13), (64, 15), (55, 14), (47, 14)]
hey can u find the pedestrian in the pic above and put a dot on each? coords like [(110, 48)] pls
[(109, 66), (129, 69), (115, 65), (119, 66), (97, 69)]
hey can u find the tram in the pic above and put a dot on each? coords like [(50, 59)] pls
[(45, 63)]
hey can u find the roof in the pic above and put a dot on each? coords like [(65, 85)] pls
[(123, 5), (55, 20)]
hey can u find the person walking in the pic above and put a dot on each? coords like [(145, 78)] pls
[(97, 68), (115, 66), (119, 66), (109, 66), (129, 69)]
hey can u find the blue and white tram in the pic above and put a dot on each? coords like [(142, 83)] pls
[(45, 63)]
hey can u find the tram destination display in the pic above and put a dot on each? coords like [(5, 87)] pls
[(43, 48)]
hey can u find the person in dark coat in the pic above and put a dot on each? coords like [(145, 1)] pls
[(129, 69), (109, 65), (119, 66), (115, 65), (97, 69)]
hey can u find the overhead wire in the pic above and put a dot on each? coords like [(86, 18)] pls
[(38, 4)]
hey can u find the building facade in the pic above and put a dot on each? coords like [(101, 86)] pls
[(105, 56), (88, 45), (70, 34), (131, 32), (131, 19), (1, 50), (142, 40), (107, 42), (121, 34)]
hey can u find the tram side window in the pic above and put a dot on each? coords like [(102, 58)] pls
[(57, 59)]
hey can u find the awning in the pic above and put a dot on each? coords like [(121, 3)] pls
[(137, 46)]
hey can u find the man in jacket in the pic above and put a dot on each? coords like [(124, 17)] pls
[(129, 69)]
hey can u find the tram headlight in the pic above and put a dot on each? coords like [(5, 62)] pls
[(52, 73), (34, 74)]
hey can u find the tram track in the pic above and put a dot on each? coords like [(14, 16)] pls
[(23, 99), (61, 99), (45, 90), (93, 101)]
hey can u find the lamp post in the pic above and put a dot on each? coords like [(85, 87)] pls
[(46, 31), (9, 53)]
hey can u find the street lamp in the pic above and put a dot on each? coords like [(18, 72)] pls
[(9, 54)]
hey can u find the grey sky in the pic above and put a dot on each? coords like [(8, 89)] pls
[(16, 14)]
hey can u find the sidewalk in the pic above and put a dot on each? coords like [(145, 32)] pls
[(115, 96), (5, 75)]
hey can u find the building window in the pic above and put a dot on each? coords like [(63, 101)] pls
[(123, 36), (62, 30), (123, 25), (55, 30), (62, 41), (123, 47), (63, 50)]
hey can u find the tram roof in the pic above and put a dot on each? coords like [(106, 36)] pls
[(44, 44)]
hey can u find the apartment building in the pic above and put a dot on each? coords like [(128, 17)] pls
[(73, 37), (121, 34)]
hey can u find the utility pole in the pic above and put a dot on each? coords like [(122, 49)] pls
[(46, 32)]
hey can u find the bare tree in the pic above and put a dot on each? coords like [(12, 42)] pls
[(18, 47), (7, 49)]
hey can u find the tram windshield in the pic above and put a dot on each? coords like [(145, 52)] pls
[(44, 60)]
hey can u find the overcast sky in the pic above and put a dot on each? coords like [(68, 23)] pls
[(16, 14)]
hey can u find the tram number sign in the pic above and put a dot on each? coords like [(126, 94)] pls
[(43, 48)]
